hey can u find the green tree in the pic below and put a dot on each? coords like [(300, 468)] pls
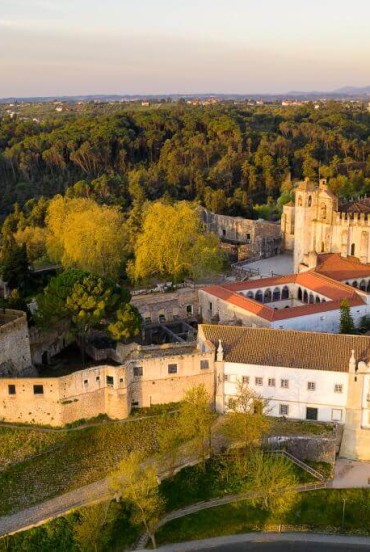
[(89, 533), (136, 482), (127, 324), (272, 480), (346, 323), (246, 421), (196, 419), (14, 267)]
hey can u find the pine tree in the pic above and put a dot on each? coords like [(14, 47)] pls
[(346, 321)]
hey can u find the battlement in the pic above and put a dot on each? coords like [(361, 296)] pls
[(352, 219)]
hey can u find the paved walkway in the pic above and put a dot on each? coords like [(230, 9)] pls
[(350, 474), (280, 264), (360, 543), (51, 509)]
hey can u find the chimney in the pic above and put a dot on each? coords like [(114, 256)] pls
[(220, 352), (352, 362)]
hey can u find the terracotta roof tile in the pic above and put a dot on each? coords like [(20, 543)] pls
[(317, 283), (340, 268), (287, 348)]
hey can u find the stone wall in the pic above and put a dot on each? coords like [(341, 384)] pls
[(180, 304), (15, 354), (259, 238), (104, 389), (306, 448), (45, 344)]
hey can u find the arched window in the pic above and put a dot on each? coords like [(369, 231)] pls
[(285, 293), (363, 285), (299, 294), (355, 284), (311, 298), (259, 296), (305, 296), (267, 296), (323, 211), (322, 247), (309, 201), (317, 299), (353, 249), (299, 201), (276, 294), (250, 294)]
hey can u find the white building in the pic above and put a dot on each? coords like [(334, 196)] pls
[(305, 375), (306, 301)]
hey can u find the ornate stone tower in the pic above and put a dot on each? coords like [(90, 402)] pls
[(314, 211)]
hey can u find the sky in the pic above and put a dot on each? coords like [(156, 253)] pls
[(67, 47)]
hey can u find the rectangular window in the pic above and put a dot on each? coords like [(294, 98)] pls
[(189, 310), (230, 403), (172, 368), (11, 389), (110, 381), (245, 379), (311, 413), (272, 382), (138, 371), (204, 364), (338, 388), (210, 306), (86, 382), (311, 386), (283, 409), (38, 389), (259, 381), (97, 378), (284, 383), (121, 380)]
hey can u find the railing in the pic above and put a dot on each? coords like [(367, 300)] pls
[(299, 463)]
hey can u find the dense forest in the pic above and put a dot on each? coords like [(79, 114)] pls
[(229, 157), (90, 189)]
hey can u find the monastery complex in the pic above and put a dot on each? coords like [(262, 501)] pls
[(279, 335)]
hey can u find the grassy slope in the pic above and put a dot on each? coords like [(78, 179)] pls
[(313, 511), (70, 459)]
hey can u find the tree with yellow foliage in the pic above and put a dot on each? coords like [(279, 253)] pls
[(86, 235), (173, 244)]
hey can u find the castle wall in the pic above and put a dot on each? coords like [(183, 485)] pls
[(180, 304), (158, 386), (260, 238), (15, 354), (58, 401)]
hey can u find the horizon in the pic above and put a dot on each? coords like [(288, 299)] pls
[(82, 47)]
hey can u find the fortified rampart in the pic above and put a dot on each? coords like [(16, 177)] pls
[(15, 354), (162, 377)]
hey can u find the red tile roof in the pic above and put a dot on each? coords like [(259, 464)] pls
[(334, 291), (340, 268)]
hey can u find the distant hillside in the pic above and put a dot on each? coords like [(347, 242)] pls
[(353, 90)]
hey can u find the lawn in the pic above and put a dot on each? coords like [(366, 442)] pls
[(319, 511), (50, 464)]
